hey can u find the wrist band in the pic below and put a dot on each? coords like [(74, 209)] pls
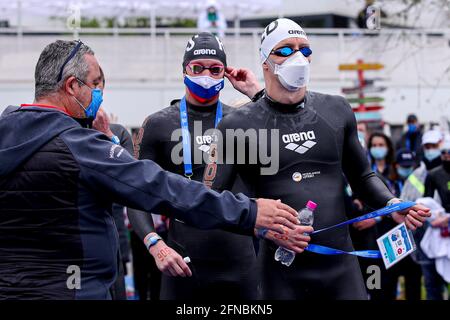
[(261, 233), (115, 140), (393, 201), (151, 241)]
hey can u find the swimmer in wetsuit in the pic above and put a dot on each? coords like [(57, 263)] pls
[(315, 145), (222, 263)]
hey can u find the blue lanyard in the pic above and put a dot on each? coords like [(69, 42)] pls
[(187, 158), (372, 254), (374, 168), (408, 143), (400, 186)]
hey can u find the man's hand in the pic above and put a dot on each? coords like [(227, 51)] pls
[(295, 240), (169, 261), (413, 217), (275, 215), (243, 80), (101, 123), (365, 224)]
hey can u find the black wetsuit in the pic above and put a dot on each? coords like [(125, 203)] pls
[(222, 262), (317, 139)]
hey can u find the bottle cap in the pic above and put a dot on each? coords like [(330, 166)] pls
[(311, 205)]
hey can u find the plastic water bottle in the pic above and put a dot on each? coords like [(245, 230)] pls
[(306, 218)]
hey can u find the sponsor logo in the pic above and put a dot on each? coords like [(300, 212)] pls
[(299, 142), (205, 51), (205, 141), (297, 177), (113, 149), (300, 32), (310, 175)]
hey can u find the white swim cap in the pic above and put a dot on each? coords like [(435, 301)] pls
[(277, 31)]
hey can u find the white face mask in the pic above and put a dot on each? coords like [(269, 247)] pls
[(292, 73)]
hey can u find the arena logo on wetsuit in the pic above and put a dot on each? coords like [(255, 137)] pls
[(205, 141), (304, 137)]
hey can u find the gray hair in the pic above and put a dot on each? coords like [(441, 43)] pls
[(50, 62)]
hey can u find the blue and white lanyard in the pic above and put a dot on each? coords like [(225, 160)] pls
[(187, 158), (373, 254)]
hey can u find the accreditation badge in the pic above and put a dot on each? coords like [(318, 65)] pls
[(396, 245)]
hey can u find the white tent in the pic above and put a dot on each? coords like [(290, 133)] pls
[(111, 8)]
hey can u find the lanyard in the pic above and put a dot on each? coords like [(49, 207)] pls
[(187, 158), (372, 254)]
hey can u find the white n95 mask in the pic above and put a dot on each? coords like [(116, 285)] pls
[(292, 73)]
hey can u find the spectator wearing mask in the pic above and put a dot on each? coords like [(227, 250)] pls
[(412, 138), (363, 233), (387, 168), (381, 153), (404, 166), (408, 268), (212, 20), (414, 187)]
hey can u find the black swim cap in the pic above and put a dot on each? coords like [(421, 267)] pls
[(204, 45)]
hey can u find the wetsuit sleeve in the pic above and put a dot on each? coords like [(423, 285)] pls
[(430, 187), (364, 182), (112, 173), (142, 223)]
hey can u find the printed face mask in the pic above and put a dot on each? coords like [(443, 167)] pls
[(203, 88)]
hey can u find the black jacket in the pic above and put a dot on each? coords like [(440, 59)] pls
[(57, 181)]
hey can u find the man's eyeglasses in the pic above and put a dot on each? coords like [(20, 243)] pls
[(287, 51), (198, 68), (445, 152), (70, 57)]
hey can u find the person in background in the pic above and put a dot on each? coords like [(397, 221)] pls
[(413, 189), (212, 20), (411, 271), (385, 166), (381, 153), (363, 233), (363, 133), (412, 138), (438, 180)]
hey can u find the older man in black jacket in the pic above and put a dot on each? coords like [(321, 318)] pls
[(57, 239)]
